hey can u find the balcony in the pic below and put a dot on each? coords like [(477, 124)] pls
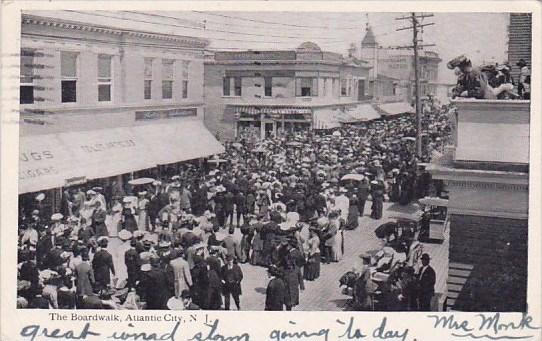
[(492, 132)]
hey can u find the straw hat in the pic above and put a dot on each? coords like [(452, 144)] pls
[(125, 235), (57, 216)]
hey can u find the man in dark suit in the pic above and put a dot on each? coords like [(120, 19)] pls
[(133, 264), (426, 279), (231, 280), (84, 279), (229, 201), (102, 263)]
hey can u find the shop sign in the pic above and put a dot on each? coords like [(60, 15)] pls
[(107, 146), (164, 114), (78, 180)]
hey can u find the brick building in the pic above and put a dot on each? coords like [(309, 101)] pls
[(265, 92), (487, 177), (519, 40)]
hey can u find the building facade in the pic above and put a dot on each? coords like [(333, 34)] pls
[(486, 173), (519, 41), (266, 92), (393, 73), (92, 96)]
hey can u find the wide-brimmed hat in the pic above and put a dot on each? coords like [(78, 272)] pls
[(175, 304), (458, 61), (125, 234), (57, 216)]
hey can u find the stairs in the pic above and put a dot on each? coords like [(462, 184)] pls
[(458, 274)]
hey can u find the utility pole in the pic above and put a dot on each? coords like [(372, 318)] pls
[(416, 25)]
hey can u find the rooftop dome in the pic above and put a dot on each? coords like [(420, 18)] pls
[(310, 46)]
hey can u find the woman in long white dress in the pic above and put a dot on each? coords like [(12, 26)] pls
[(142, 214), (115, 225)]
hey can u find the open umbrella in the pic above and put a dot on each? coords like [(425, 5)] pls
[(408, 138), (237, 145), (294, 144), (354, 177), (336, 133), (141, 181)]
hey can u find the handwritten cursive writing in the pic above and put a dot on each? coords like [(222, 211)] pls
[(351, 332), (215, 335), (279, 335), (32, 332), (147, 336), (489, 326)]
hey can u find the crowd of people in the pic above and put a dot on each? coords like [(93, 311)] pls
[(493, 81), (177, 242)]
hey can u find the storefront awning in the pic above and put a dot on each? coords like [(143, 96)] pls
[(57, 160), (326, 119), (257, 110), (363, 112), (44, 163), (108, 152), (183, 141), (396, 108)]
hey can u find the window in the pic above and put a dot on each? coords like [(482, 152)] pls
[(185, 89), (147, 81), (237, 85), (68, 74), (185, 74), (27, 77), (227, 86), (167, 78), (226, 82), (147, 89), (306, 87), (104, 78), (344, 86), (268, 89)]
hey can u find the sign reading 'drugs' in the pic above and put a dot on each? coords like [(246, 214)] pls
[(164, 114)]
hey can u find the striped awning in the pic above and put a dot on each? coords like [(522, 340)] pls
[(257, 110)]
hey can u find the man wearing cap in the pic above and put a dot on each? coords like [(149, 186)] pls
[(231, 280), (427, 278)]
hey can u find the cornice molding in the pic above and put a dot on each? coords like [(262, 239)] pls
[(192, 42), (487, 185), (488, 213)]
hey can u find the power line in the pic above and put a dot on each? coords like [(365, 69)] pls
[(235, 32), (213, 38), (274, 23)]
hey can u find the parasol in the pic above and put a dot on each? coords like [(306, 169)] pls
[(141, 181), (408, 138), (354, 177), (336, 133)]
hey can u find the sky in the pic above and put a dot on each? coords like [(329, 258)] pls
[(481, 36)]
